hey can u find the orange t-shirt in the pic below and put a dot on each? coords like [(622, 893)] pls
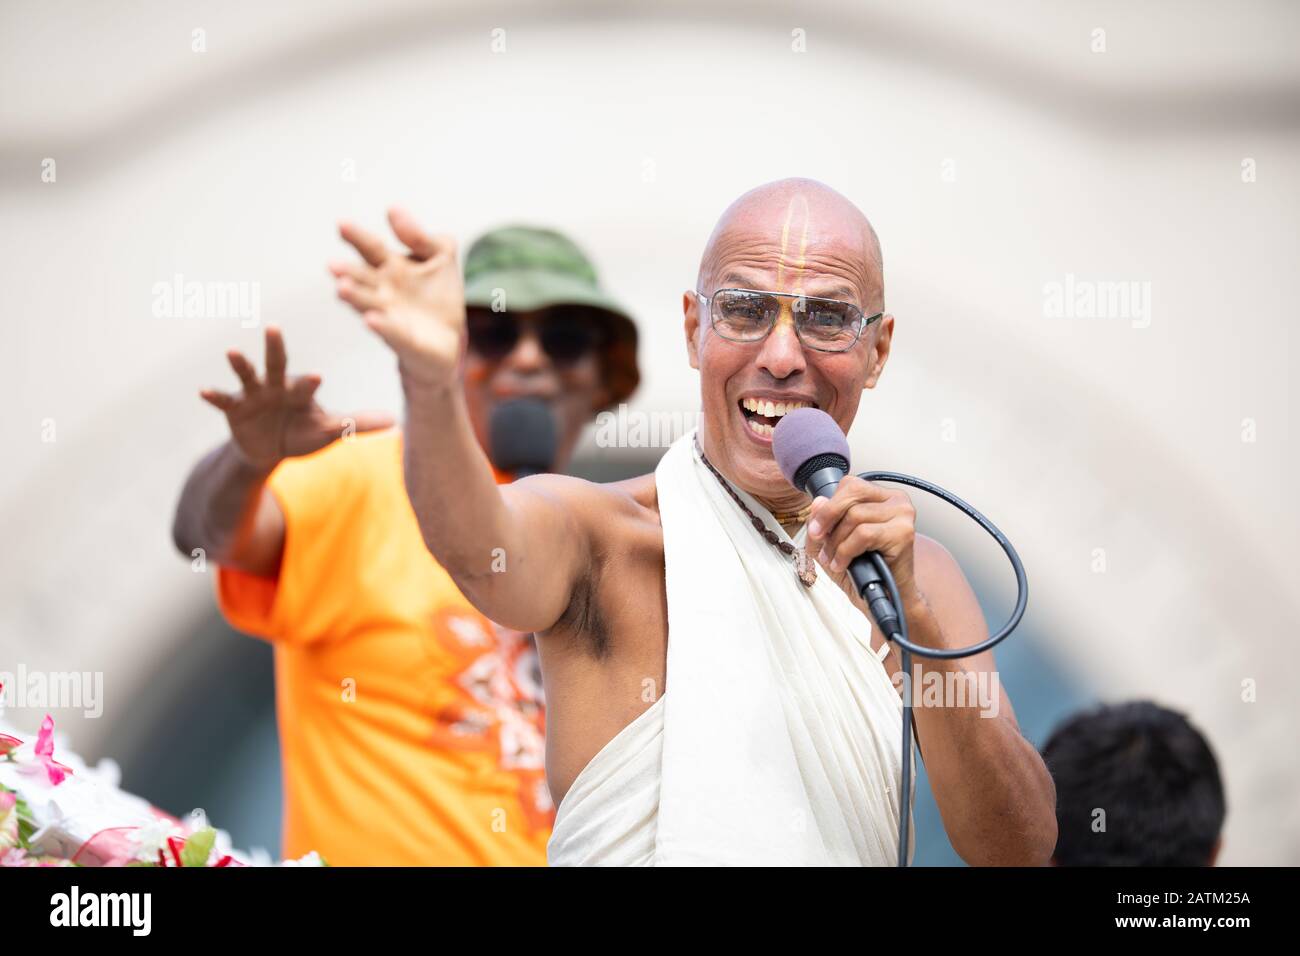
[(411, 727)]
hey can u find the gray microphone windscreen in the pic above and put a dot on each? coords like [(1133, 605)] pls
[(522, 436), (803, 435)]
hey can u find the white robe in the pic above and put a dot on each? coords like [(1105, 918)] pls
[(777, 739)]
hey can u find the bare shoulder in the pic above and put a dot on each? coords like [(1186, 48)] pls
[(594, 503), (641, 491), (933, 559), (941, 578)]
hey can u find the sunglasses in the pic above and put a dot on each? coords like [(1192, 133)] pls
[(566, 335), (748, 315)]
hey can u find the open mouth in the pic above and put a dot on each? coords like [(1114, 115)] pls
[(762, 414)]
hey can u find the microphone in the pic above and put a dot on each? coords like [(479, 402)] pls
[(522, 437), (813, 455)]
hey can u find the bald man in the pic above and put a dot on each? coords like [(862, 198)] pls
[(766, 730)]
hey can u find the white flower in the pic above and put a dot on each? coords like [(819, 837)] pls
[(151, 837), (108, 772)]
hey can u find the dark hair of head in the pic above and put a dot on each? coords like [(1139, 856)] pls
[(1154, 776)]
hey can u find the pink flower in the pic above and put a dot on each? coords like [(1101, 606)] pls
[(45, 752)]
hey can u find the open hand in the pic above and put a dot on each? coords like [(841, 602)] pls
[(276, 417), (414, 302)]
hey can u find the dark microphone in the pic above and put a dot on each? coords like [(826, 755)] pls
[(813, 454), (522, 437)]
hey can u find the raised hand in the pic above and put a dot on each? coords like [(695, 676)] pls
[(414, 302), (275, 417)]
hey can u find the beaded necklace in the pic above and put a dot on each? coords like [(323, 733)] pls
[(805, 568)]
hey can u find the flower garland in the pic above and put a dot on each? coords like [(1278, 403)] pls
[(56, 813)]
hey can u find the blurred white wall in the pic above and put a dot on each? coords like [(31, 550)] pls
[(994, 150)]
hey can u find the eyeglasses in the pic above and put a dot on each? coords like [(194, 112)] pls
[(566, 335), (747, 315)]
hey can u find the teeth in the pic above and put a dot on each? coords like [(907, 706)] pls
[(760, 429), (761, 406)]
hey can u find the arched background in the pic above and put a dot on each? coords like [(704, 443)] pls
[(994, 149)]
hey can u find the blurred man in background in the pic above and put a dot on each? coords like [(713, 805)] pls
[(411, 727), (1136, 785)]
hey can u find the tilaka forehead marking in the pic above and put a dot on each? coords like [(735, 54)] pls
[(798, 206)]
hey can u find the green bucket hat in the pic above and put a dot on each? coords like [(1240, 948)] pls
[(523, 269)]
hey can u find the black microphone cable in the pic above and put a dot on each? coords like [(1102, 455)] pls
[(907, 648)]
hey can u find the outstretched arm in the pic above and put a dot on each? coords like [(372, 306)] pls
[(225, 508), (515, 551)]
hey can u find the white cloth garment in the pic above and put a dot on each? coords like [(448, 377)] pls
[(777, 740), (610, 814)]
